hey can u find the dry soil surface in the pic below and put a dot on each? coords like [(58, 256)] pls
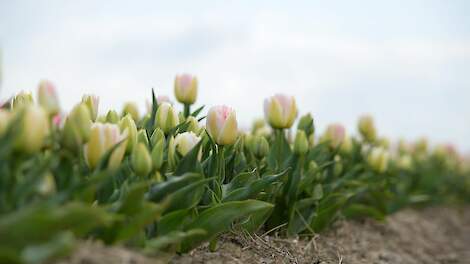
[(432, 235)]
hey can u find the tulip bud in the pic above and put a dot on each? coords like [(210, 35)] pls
[(378, 159), (300, 143), (34, 129), (47, 97), (405, 162), (306, 124), (22, 99), (141, 160), (157, 136), (157, 154), (185, 142), (5, 117), (77, 126), (171, 153), (142, 137), (132, 109), (367, 128), (257, 125), (258, 145), (346, 146), (186, 88), (112, 117), (280, 111), (91, 101), (384, 142), (104, 137), (127, 123), (47, 184), (311, 140), (163, 99), (166, 117), (221, 124), (421, 146), (334, 134), (193, 124)]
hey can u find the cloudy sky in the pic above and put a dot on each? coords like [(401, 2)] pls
[(405, 62)]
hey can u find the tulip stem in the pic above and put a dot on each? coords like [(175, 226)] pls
[(221, 170), (187, 108)]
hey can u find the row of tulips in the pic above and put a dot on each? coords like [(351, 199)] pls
[(164, 182)]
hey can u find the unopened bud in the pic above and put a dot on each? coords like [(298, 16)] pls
[(300, 143), (132, 109), (142, 137), (378, 159), (127, 123), (306, 124), (258, 145), (92, 102), (34, 129), (112, 117), (367, 128), (22, 99), (141, 160), (166, 117), (157, 154), (186, 88), (47, 97)]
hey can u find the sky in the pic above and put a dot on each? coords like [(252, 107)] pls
[(407, 63)]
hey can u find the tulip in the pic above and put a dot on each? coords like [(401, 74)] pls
[(221, 124), (306, 124), (158, 149), (127, 123), (77, 126), (257, 125), (92, 102), (171, 153), (47, 184), (112, 117), (347, 145), (5, 117), (378, 159), (33, 130), (186, 89), (104, 137), (132, 109), (47, 97), (166, 117), (163, 99), (335, 135), (185, 142), (300, 143), (157, 136), (22, 99), (193, 124), (280, 111), (405, 162), (142, 137), (141, 160), (258, 145), (367, 128)]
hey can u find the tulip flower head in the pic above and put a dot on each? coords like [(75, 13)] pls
[(127, 123), (22, 99), (34, 129), (335, 134), (185, 142), (186, 88), (378, 159), (103, 137), (132, 109), (166, 117), (300, 143), (47, 97), (367, 128), (280, 111), (141, 160), (92, 102), (222, 125)]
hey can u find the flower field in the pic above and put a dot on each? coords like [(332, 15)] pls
[(169, 181)]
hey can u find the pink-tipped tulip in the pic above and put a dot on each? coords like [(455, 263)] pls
[(222, 125), (186, 88), (335, 134), (47, 97), (280, 110)]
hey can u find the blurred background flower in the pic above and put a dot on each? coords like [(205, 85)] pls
[(406, 63)]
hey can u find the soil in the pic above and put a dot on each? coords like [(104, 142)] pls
[(432, 235)]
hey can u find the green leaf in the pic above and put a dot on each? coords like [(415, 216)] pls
[(252, 189), (301, 216), (197, 111), (173, 221), (361, 210), (220, 218), (174, 238), (187, 197), (162, 190)]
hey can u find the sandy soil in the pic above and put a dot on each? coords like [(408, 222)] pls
[(432, 235)]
